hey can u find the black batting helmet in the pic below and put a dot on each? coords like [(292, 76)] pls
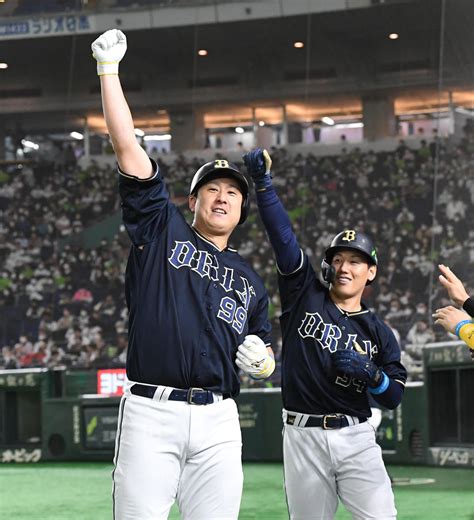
[(352, 240), (216, 170)]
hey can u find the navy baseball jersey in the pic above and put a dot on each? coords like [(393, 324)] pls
[(313, 328), (190, 304)]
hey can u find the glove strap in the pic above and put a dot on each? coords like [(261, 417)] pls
[(267, 370), (262, 183), (107, 68), (382, 387)]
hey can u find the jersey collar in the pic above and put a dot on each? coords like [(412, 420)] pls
[(363, 310), (227, 248)]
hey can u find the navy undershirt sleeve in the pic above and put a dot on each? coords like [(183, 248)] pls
[(392, 397), (468, 306), (278, 226)]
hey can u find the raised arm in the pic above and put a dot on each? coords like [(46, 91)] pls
[(453, 284), (108, 50), (273, 214)]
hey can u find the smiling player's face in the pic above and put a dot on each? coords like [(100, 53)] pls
[(217, 207), (352, 273)]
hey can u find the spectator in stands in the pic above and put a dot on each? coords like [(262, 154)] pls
[(395, 331), (420, 314), (418, 336), (8, 360), (66, 321), (396, 313), (55, 358), (82, 295), (121, 342)]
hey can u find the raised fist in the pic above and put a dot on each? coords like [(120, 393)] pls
[(259, 163), (108, 50), (356, 365)]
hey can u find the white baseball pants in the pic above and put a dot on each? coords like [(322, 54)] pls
[(173, 451), (322, 466)]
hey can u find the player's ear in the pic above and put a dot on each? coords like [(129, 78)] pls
[(372, 272), (192, 203)]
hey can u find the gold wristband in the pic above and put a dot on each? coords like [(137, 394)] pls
[(466, 333)]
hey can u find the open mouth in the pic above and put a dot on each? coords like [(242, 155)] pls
[(219, 211)]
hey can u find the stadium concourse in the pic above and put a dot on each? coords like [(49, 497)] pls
[(62, 304)]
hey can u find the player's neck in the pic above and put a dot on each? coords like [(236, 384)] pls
[(347, 304), (220, 241)]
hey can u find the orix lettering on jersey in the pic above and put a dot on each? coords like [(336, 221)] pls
[(206, 265), (330, 336)]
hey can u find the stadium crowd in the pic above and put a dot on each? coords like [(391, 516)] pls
[(63, 304)]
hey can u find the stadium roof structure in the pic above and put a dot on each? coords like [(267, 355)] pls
[(251, 63)]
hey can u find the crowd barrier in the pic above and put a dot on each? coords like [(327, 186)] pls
[(62, 414)]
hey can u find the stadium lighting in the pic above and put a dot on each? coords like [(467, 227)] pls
[(350, 125), (29, 144), (3, 65), (393, 36), (328, 120), (76, 135), (162, 137), (261, 123), (202, 52), (139, 133), (298, 45), (239, 130)]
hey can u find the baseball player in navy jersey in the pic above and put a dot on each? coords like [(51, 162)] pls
[(197, 312), (335, 352)]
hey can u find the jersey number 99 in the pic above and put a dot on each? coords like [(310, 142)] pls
[(230, 313)]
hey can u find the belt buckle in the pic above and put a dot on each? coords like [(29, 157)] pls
[(191, 392), (326, 417)]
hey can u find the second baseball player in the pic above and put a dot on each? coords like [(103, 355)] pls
[(335, 350)]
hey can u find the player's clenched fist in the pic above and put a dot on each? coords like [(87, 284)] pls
[(108, 50), (253, 358), (355, 365), (259, 163)]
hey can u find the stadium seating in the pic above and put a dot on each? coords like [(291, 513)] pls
[(62, 303)]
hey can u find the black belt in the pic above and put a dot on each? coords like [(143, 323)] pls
[(326, 422), (191, 396)]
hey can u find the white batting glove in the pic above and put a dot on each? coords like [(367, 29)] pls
[(253, 358), (108, 50)]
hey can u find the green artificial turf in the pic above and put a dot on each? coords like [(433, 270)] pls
[(82, 491)]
